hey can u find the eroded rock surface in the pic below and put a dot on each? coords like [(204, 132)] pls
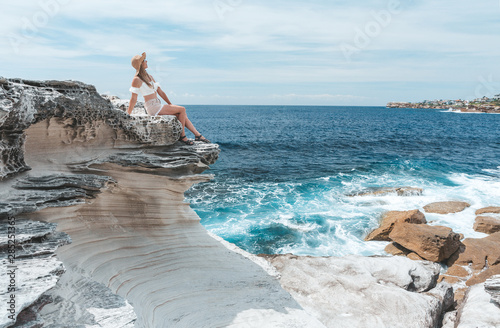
[(366, 291), (390, 219), (433, 243), (72, 111), (478, 252), (31, 266), (489, 209), (487, 224), (446, 207)]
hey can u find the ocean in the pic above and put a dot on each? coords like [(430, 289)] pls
[(286, 174)]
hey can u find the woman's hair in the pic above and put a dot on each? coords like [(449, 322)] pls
[(144, 76)]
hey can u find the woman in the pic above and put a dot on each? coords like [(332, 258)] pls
[(144, 84)]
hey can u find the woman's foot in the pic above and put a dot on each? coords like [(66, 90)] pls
[(202, 139), (185, 140)]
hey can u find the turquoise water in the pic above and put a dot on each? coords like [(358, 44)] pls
[(285, 173)]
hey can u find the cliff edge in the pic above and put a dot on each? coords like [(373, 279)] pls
[(95, 231)]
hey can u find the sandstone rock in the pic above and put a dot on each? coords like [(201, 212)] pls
[(414, 256), (396, 249), (433, 243), (478, 252), (487, 224), (375, 291), (449, 279), (446, 207), (390, 219), (457, 270), (484, 275), (490, 209), (76, 301), (77, 114), (400, 191), (477, 310)]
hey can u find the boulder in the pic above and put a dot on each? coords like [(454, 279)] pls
[(355, 291), (478, 252), (477, 310), (490, 209), (433, 243), (487, 224), (390, 219), (484, 275), (415, 257), (446, 207), (396, 249)]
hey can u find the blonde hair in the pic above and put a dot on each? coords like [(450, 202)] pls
[(144, 76)]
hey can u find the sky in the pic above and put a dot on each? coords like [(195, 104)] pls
[(261, 52)]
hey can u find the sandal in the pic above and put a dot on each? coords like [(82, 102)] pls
[(187, 141), (199, 138)]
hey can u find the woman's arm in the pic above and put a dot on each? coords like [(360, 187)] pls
[(133, 101), (136, 83), (163, 95)]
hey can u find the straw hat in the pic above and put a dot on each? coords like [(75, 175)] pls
[(137, 61)]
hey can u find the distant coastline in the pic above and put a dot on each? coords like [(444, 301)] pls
[(479, 105)]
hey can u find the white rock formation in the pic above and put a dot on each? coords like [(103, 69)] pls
[(363, 292), (478, 310)]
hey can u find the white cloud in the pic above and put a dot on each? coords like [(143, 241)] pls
[(275, 43)]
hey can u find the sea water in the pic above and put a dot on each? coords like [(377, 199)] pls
[(286, 174)]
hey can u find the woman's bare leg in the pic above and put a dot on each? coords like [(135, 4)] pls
[(191, 128), (178, 111)]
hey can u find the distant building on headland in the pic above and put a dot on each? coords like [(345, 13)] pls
[(478, 105)]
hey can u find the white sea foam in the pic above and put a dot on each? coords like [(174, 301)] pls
[(317, 217)]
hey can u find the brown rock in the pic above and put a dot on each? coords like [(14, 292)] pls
[(433, 243), (414, 256), (390, 219), (490, 209), (457, 271), (449, 279), (487, 224), (446, 207), (479, 252), (396, 249), (481, 277)]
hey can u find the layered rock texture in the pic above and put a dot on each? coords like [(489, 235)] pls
[(102, 235)]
